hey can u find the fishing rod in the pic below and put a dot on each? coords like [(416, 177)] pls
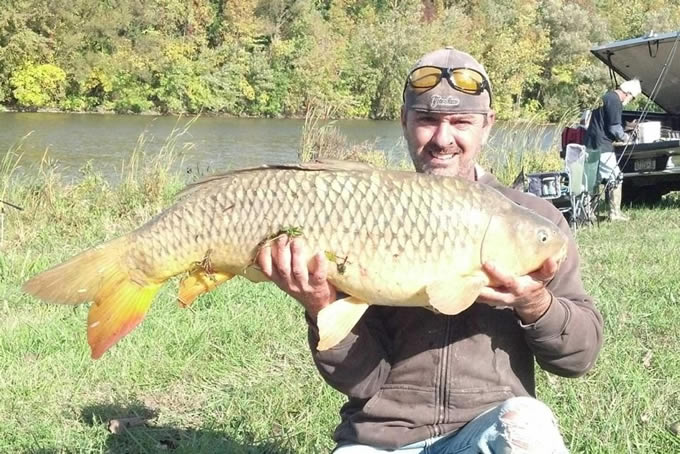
[(12, 205)]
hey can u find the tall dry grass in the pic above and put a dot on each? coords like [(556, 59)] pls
[(520, 149), (321, 139)]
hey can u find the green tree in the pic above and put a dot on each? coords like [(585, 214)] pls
[(19, 44), (513, 47), (382, 48), (278, 57), (572, 78), (315, 54), (38, 85)]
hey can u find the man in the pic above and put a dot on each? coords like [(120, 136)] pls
[(421, 382), (604, 128)]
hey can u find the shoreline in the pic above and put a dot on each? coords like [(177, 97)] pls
[(154, 113), (5, 109)]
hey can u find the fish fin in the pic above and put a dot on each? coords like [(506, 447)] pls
[(100, 275), (254, 274), (198, 282), (118, 308), (79, 279), (336, 320), (337, 165), (452, 298), (319, 164)]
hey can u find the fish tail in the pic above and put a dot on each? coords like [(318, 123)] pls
[(99, 275)]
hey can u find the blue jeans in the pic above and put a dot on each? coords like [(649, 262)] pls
[(519, 425)]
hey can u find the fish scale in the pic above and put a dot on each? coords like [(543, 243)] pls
[(392, 237)]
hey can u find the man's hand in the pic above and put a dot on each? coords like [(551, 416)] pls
[(527, 295), (284, 261), (630, 125)]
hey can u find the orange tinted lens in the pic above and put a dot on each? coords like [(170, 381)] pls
[(425, 78), (467, 80)]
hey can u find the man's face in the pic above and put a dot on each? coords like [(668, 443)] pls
[(625, 98), (446, 144)]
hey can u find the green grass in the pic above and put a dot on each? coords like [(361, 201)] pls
[(633, 394), (233, 373)]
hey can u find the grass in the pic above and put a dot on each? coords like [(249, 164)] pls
[(233, 373), (627, 403)]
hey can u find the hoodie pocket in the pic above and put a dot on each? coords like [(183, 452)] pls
[(412, 405), (478, 397)]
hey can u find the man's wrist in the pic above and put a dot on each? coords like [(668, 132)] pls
[(534, 310), (312, 308)]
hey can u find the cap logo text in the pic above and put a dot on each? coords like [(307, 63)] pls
[(444, 101)]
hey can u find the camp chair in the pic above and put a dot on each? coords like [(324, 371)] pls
[(592, 173), (582, 169)]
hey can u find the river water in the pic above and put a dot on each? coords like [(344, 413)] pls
[(208, 144)]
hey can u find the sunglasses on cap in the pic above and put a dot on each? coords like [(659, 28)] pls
[(465, 80)]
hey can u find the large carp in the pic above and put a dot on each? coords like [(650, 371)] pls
[(394, 238)]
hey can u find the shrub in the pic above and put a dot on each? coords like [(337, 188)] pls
[(38, 85)]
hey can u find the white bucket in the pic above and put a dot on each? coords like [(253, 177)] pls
[(649, 131)]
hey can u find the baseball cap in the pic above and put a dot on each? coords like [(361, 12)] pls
[(632, 87), (448, 81)]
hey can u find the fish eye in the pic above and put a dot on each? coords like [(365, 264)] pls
[(542, 236)]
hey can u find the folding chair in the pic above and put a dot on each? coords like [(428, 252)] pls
[(582, 178), (591, 171)]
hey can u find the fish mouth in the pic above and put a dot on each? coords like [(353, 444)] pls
[(561, 255)]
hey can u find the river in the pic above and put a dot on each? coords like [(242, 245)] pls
[(208, 144)]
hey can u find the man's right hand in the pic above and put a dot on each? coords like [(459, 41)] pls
[(284, 261)]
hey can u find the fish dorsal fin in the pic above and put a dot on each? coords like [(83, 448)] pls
[(453, 297), (337, 165), (317, 165)]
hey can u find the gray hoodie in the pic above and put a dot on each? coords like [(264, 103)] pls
[(411, 374)]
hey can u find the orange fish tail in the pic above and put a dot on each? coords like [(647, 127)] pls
[(99, 275), (118, 308)]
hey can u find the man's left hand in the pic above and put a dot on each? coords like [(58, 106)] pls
[(527, 295)]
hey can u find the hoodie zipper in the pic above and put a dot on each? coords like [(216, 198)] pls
[(441, 398)]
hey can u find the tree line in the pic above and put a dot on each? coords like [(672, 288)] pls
[(276, 58)]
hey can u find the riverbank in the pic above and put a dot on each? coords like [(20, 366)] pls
[(532, 121), (149, 113)]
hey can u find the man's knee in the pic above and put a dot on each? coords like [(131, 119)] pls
[(526, 409), (527, 425)]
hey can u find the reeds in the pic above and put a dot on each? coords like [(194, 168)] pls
[(8, 167), (152, 179), (323, 140), (520, 149)]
